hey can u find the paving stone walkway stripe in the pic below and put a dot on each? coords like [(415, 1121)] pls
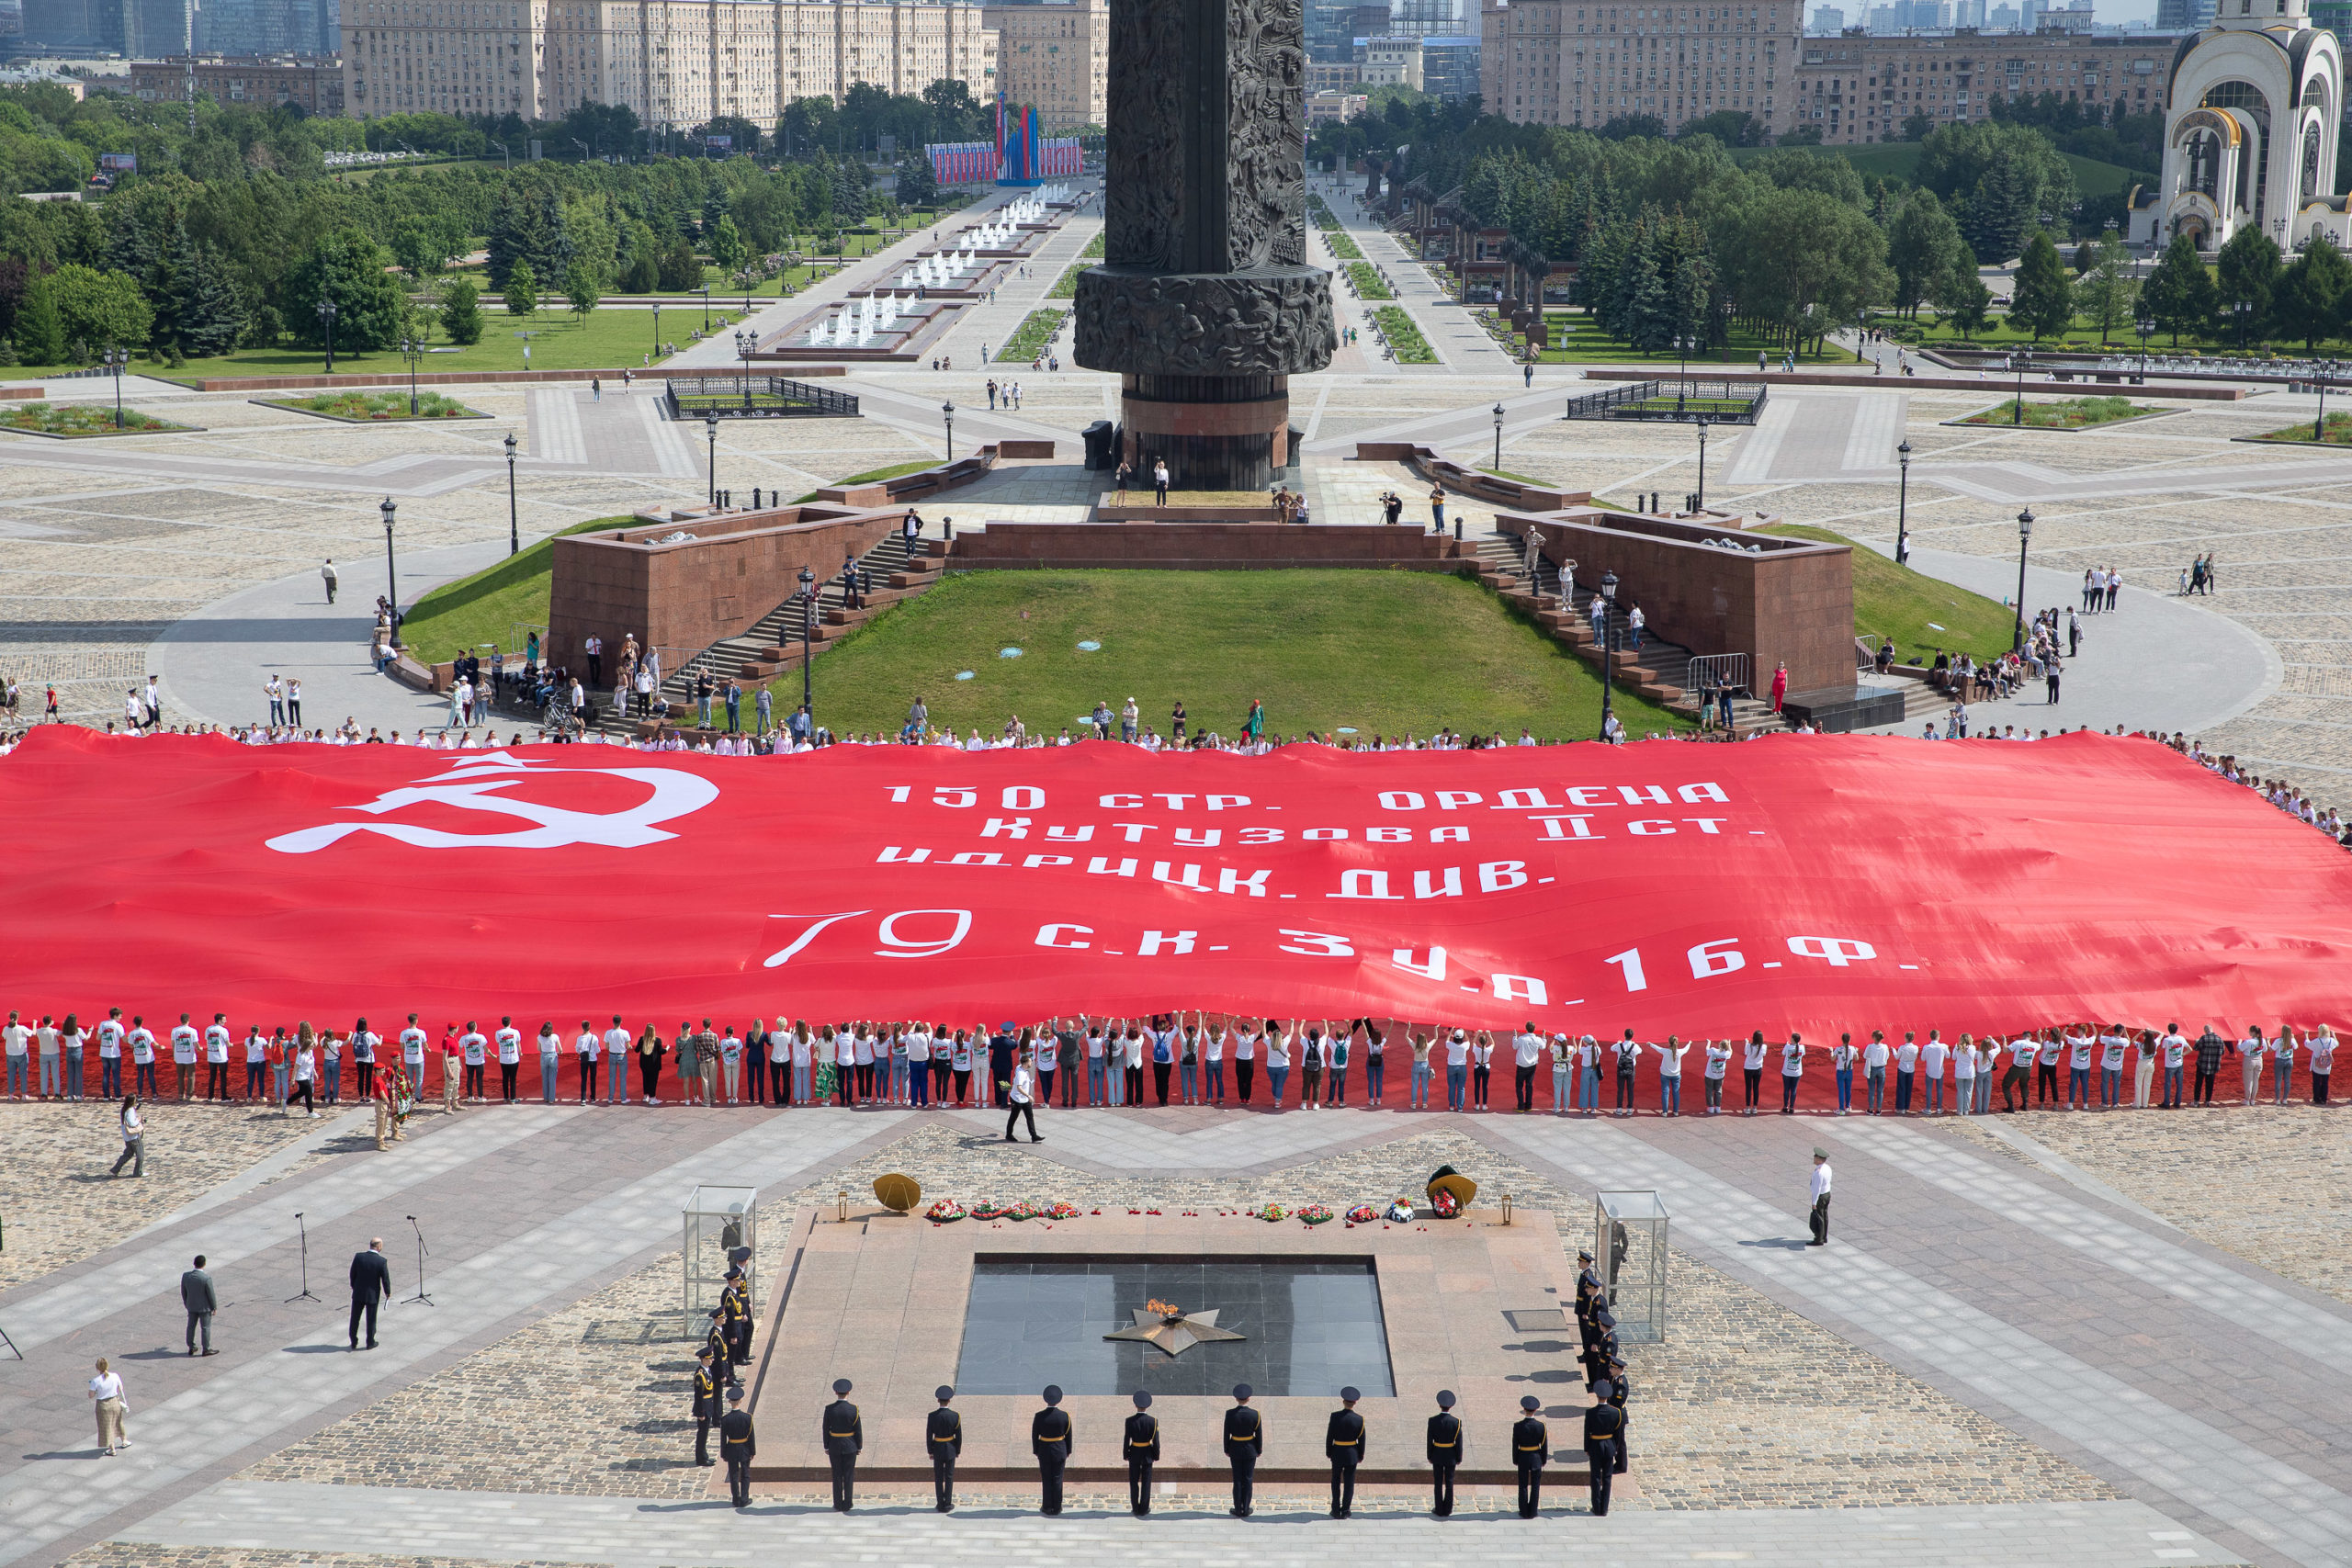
[(50, 1313), (2293, 1324), (42, 1502), (2268, 1500), (1140, 1140), (2059, 1165), (262, 1172), (629, 1532)]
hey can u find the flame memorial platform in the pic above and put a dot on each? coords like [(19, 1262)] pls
[(900, 1305)]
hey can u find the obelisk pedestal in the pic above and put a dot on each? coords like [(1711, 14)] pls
[(1204, 304)]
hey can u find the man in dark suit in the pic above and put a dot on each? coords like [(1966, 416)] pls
[(371, 1286), (197, 1295), (1530, 1449), (1245, 1439), (706, 1403), (943, 1436), (1604, 1445), (1141, 1446), (1446, 1452), (844, 1436), (1049, 1439), (737, 1445), (1343, 1446)]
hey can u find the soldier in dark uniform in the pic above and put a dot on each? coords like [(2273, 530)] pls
[(844, 1436), (1600, 1344), (1049, 1439), (1141, 1445), (722, 1353), (943, 1436), (706, 1405), (735, 1317), (1446, 1452), (1530, 1449), (1604, 1445), (737, 1445), (1619, 1391), (1343, 1446), (1590, 1294), (1245, 1439)]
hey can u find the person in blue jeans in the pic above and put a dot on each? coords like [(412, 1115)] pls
[(1375, 1054), (1280, 1042), (1841, 1063), (1457, 1068), (1335, 1087)]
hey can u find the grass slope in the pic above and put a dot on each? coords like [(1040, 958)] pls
[(1909, 606), (488, 606), (1900, 160), (1383, 652)]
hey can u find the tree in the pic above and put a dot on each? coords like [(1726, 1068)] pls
[(1965, 301), (522, 290), (726, 245), (2246, 272), (2042, 301), (98, 310), (418, 244), (2002, 176), (41, 332), (2107, 290), (1733, 128), (2178, 294), (581, 290), (2312, 294), (211, 318), (1916, 126), (917, 186), (681, 269), (1923, 244), (346, 267), (644, 275), (1626, 127), (461, 312)]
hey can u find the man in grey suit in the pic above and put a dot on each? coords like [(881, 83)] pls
[(372, 1285), (197, 1294)]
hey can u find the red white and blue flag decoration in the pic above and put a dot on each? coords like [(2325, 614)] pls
[(962, 162), (1058, 156), (1820, 884)]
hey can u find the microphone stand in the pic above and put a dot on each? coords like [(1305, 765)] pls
[(422, 1250), (305, 1294)]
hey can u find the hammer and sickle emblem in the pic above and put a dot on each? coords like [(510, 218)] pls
[(472, 786)]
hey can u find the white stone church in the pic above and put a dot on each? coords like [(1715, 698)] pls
[(2250, 133)]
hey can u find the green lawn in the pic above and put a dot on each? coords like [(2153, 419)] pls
[(488, 606), (1033, 338), (1367, 282), (2067, 413), (1900, 160), (1576, 340), (876, 476), (2337, 432), (1403, 336), (1920, 613), (81, 420), (386, 406), (1321, 649)]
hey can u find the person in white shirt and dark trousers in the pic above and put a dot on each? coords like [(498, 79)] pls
[(1820, 1198), (134, 1140)]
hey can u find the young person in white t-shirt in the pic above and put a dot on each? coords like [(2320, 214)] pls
[(2250, 1049), (510, 1058), (1588, 1052), (2175, 1047), (1563, 1052), (1212, 1041), (413, 1041), (2080, 1052), (216, 1058), (2321, 1044), (111, 1032), (1457, 1067), (1963, 1076), (2114, 1046), (798, 1045), (1628, 1051), (1751, 1069), (1792, 1073), (474, 1046), (1243, 1036), (618, 1042), (1669, 1075), (141, 1042), (1526, 1052), (1933, 1057), (551, 1046), (588, 1046), (185, 1040), (2282, 1063), (1906, 1066), (1718, 1064)]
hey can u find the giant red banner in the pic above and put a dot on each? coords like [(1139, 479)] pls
[(1819, 883)]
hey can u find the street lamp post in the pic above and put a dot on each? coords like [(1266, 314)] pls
[(807, 618), (2244, 311), (2021, 359), (326, 318), (705, 309), (1861, 332), (392, 571), (116, 360), (1608, 644), (513, 523), (2146, 329), (2319, 419), (744, 342), (2025, 537), (1702, 463), (657, 329), (1903, 507), (1499, 437), (710, 425), (947, 412), (412, 350)]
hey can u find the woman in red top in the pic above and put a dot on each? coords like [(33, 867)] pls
[(1779, 685)]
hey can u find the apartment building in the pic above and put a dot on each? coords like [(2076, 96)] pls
[(1859, 88), (1056, 56), (1573, 63)]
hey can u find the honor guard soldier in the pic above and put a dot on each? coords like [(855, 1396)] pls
[(1530, 1449), (1446, 1452), (1343, 1446), (705, 1403), (844, 1436), (735, 1445), (1604, 1445), (943, 1436), (735, 1317), (1141, 1446), (1619, 1391), (1245, 1439), (1590, 1294), (1600, 1343), (1049, 1439), (722, 1363)]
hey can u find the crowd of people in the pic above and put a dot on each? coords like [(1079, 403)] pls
[(1188, 1058)]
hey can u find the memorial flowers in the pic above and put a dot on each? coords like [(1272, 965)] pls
[(945, 1211), (1399, 1212), (1363, 1214), (1271, 1213), (1316, 1215)]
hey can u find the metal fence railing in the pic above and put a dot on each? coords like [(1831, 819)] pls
[(1717, 400), (755, 397), (1710, 672)]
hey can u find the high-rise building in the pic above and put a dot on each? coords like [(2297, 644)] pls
[(1450, 67), (1573, 63), (2193, 15), (676, 63), (312, 27), (77, 27), (1056, 55), (1828, 21), (1869, 89)]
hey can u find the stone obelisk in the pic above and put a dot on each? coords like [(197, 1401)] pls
[(1204, 304)]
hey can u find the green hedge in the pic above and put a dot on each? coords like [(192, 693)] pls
[(1367, 282)]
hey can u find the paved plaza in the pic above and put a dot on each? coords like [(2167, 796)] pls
[(2030, 1341)]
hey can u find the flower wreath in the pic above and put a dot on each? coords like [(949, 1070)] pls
[(1399, 1212), (1363, 1214), (1273, 1212), (987, 1209), (1025, 1210), (1444, 1204), (1316, 1215), (1063, 1211), (945, 1212)]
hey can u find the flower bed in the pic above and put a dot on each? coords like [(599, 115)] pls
[(1321, 214), (1404, 339), (1343, 247), (2068, 413), (1367, 282), (1066, 285), (1031, 338), (373, 406), (2336, 433), (73, 420)]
